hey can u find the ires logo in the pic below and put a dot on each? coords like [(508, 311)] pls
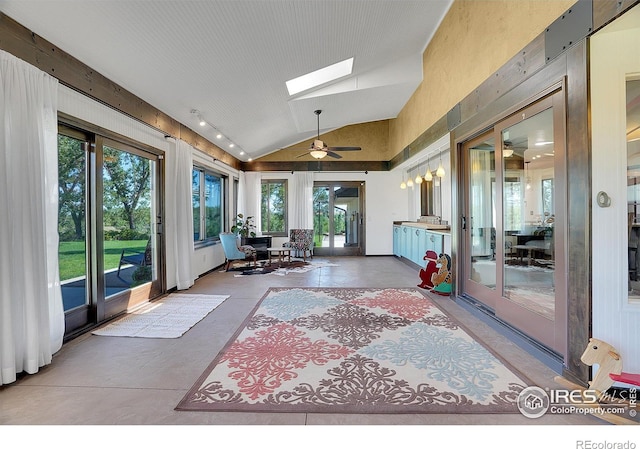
[(534, 402)]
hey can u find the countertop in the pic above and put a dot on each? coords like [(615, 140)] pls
[(436, 228)]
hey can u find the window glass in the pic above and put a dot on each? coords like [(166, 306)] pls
[(274, 207), (213, 201), (195, 187), (208, 196)]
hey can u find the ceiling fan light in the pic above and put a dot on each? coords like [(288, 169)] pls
[(318, 154), (507, 152)]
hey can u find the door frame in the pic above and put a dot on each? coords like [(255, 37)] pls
[(99, 309), (359, 250), (553, 334)]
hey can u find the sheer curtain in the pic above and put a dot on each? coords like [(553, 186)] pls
[(180, 202), (31, 311), (250, 190), (301, 201)]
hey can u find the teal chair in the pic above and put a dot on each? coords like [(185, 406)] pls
[(233, 252)]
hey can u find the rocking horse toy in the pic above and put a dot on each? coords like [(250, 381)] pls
[(609, 371), (610, 366)]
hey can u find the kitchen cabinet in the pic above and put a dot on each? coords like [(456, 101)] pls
[(412, 242)]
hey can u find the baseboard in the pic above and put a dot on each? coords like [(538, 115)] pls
[(546, 355)]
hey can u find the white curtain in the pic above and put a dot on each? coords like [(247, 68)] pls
[(301, 201), (31, 310), (249, 196), (180, 203)]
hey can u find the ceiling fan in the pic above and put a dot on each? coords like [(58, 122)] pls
[(319, 149)]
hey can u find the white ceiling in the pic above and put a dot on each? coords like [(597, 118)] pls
[(230, 59)]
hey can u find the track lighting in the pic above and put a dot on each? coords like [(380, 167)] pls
[(219, 135)]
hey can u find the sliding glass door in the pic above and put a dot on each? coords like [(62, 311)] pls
[(73, 250), (513, 221), (338, 218), (109, 226), (130, 218)]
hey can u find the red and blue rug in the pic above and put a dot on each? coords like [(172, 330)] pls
[(354, 350)]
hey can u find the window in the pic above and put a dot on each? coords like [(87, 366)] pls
[(274, 207), (208, 205), (547, 197)]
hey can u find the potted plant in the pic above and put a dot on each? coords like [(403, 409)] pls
[(243, 227)]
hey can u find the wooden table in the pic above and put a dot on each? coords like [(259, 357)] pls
[(281, 251)]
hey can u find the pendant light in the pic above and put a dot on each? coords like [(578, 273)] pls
[(528, 186), (418, 179), (440, 171), (428, 176), (409, 181), (403, 185)]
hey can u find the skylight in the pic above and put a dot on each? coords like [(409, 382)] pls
[(320, 76)]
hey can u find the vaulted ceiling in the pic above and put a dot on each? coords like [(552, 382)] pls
[(230, 59)]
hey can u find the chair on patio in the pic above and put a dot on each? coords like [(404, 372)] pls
[(138, 259), (301, 240), (232, 251)]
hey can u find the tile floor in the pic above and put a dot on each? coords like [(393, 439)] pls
[(118, 380)]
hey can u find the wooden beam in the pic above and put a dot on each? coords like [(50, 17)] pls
[(319, 165), (605, 11)]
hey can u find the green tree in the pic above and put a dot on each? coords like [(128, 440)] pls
[(273, 206), (71, 184), (321, 213), (126, 183)]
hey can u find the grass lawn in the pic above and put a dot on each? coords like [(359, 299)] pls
[(72, 255)]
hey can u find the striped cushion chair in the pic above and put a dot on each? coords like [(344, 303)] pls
[(301, 240)]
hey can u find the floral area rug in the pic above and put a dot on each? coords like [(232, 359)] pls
[(353, 350)]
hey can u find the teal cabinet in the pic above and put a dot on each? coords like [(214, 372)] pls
[(396, 240), (412, 242)]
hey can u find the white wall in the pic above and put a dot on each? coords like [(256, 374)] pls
[(614, 54), (384, 203)]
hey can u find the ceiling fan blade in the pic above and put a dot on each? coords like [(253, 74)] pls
[(345, 148), (303, 154), (333, 155)]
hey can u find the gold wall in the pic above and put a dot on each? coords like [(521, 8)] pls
[(473, 41), (372, 137)]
